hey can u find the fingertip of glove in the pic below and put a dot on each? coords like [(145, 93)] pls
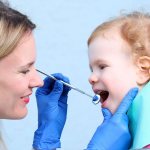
[(133, 92), (58, 86), (60, 76), (106, 112), (66, 89)]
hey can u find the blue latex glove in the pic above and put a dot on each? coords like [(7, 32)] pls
[(113, 133), (52, 112)]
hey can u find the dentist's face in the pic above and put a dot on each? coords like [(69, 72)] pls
[(113, 71), (17, 79)]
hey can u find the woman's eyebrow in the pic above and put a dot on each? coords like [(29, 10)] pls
[(28, 64)]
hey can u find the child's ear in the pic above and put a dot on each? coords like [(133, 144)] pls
[(143, 64)]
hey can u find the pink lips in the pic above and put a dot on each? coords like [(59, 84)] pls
[(26, 100)]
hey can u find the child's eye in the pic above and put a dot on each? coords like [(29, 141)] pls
[(91, 69), (102, 67)]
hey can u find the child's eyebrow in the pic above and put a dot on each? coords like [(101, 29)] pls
[(97, 62), (100, 61)]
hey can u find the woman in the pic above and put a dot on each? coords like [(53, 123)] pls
[(18, 77)]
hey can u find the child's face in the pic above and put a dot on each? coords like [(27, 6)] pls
[(113, 69)]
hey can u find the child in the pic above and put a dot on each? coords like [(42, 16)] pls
[(119, 59)]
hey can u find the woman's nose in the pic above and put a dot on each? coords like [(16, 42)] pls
[(93, 79), (36, 80)]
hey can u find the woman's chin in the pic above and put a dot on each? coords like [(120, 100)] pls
[(20, 114)]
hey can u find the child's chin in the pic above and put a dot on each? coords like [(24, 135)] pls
[(112, 110)]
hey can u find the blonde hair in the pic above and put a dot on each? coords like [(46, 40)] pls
[(133, 27), (13, 26)]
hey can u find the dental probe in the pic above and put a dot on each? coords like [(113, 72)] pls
[(95, 99)]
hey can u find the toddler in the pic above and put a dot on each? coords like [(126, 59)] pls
[(119, 59)]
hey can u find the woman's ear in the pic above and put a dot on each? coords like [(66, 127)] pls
[(143, 64)]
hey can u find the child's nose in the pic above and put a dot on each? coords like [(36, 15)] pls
[(93, 79)]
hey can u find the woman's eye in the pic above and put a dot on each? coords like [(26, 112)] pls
[(25, 71)]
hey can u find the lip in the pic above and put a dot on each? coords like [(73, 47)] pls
[(97, 91), (26, 98), (104, 104)]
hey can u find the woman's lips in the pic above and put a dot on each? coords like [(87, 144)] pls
[(26, 99)]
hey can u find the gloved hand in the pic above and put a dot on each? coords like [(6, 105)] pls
[(113, 133), (52, 111)]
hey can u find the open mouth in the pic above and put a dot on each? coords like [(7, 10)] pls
[(104, 95)]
